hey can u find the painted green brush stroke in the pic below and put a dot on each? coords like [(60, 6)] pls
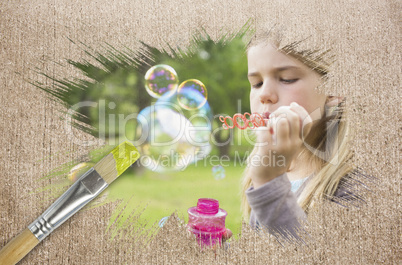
[(125, 69), (106, 67), (125, 155)]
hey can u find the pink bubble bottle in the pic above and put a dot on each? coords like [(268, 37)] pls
[(207, 221)]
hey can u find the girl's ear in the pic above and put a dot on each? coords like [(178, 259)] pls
[(333, 101)]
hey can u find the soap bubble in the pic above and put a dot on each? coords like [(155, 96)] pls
[(78, 170), (192, 94), (171, 138), (163, 221), (161, 80), (218, 172)]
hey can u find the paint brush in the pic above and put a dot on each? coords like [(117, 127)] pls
[(86, 188)]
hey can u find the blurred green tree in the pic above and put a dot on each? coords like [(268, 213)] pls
[(222, 67), (114, 83)]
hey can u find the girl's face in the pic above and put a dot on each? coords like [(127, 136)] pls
[(277, 80)]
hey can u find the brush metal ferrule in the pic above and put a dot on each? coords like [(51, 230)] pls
[(86, 188)]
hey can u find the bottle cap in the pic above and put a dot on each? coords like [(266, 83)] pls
[(207, 206)]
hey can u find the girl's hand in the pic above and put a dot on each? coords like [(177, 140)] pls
[(226, 235), (279, 142)]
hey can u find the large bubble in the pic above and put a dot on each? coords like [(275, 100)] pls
[(192, 94), (218, 172), (170, 138), (161, 80)]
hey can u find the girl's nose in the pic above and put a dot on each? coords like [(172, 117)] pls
[(268, 93)]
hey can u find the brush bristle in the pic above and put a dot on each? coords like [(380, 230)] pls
[(117, 161), (107, 168)]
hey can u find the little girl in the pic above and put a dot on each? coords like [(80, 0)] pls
[(305, 132)]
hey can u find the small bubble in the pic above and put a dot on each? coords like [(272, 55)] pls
[(163, 221), (218, 172), (192, 94), (112, 105), (161, 80), (77, 171)]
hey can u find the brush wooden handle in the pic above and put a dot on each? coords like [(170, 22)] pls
[(18, 247)]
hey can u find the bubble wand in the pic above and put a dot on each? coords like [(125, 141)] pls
[(256, 119)]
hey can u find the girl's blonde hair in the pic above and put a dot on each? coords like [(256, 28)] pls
[(327, 150)]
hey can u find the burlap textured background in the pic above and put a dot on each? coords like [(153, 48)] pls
[(365, 37)]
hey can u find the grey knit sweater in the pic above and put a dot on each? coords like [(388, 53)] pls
[(274, 206)]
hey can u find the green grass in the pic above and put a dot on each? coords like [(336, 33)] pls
[(165, 193)]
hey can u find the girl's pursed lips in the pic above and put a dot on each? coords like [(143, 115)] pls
[(265, 114)]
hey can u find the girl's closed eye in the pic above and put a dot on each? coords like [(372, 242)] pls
[(288, 81), (257, 85)]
